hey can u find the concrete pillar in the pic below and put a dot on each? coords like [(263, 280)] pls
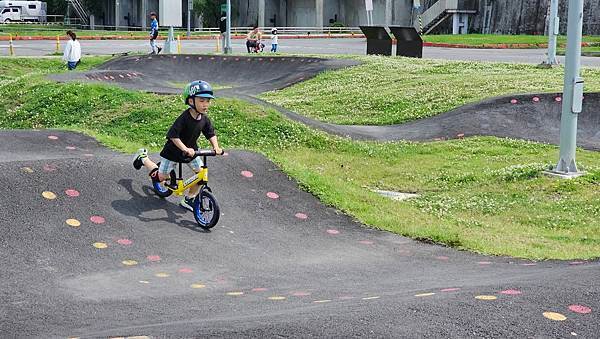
[(319, 13), (261, 13), (117, 13), (389, 10), (282, 13), (144, 13), (460, 23)]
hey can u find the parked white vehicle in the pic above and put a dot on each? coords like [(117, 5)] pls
[(19, 11)]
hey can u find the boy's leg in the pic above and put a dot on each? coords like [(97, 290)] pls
[(142, 159), (188, 200)]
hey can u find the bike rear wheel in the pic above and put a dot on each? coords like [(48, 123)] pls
[(206, 210)]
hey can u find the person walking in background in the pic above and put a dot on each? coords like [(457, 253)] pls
[(154, 34), (274, 40), (72, 53)]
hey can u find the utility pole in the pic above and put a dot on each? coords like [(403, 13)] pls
[(227, 48), (572, 94), (553, 31), (189, 18)]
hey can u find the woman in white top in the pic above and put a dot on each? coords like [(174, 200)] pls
[(72, 53)]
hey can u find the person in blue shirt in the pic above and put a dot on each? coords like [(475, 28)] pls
[(154, 34)]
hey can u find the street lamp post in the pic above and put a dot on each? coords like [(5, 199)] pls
[(227, 48), (553, 31)]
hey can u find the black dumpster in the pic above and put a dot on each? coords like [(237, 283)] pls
[(378, 40), (408, 41)]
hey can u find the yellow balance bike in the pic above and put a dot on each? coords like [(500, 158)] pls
[(206, 208)]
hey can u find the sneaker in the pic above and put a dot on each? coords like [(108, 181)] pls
[(159, 49), (187, 203), (138, 160)]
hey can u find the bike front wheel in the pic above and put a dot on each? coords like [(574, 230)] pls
[(206, 209)]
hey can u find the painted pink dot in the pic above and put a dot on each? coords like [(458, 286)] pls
[(125, 242), (49, 168), (366, 242), (484, 263), (346, 297), (301, 294), (577, 263), (529, 264), (452, 289), (225, 154), (259, 289), (273, 195), (96, 219), (558, 99), (536, 99), (442, 257), (333, 231), (511, 292), (185, 270), (52, 137), (301, 216), (72, 193), (247, 174), (580, 309), (88, 155), (153, 258), (514, 101), (70, 148)]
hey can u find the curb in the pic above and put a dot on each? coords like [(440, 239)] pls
[(207, 37)]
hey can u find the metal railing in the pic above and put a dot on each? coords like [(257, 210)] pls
[(442, 9), (79, 10)]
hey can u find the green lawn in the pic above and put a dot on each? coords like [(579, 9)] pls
[(385, 90), (482, 39), (482, 194)]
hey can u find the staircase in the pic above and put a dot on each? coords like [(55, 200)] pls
[(81, 13), (442, 10)]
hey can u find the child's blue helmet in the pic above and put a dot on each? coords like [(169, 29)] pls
[(198, 88)]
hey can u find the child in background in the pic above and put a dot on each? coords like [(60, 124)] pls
[(274, 40)]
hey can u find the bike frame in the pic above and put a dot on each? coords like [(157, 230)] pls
[(201, 178)]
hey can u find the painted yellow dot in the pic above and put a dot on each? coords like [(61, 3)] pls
[(129, 262), (73, 222), (48, 195), (100, 245), (27, 169), (424, 294), (162, 275), (235, 293), (555, 316), (276, 297), (322, 301), (197, 286), (486, 297)]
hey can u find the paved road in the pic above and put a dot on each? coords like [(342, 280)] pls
[(88, 251), (313, 46)]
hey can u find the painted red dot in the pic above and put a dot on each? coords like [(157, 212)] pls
[(185, 270), (301, 294), (259, 289), (442, 257), (558, 99), (49, 168), (153, 258), (273, 195), (577, 263), (580, 309), (72, 193), (70, 148), (514, 101), (536, 99), (529, 264), (247, 174), (333, 231), (484, 263), (125, 242), (301, 216), (452, 289), (52, 137), (96, 219), (511, 292), (366, 242)]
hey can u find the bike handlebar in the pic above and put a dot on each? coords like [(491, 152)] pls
[(202, 153)]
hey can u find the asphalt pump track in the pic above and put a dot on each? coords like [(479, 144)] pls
[(89, 251), (534, 117)]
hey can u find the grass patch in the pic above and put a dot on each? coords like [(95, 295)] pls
[(482, 194), (409, 89), (483, 39)]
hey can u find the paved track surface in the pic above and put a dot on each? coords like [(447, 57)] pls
[(304, 46), (530, 117), (264, 271)]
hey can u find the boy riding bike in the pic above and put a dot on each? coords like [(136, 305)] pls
[(182, 139)]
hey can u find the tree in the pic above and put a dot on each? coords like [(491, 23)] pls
[(56, 7), (210, 10), (93, 6)]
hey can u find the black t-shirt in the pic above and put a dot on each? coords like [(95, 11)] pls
[(188, 130)]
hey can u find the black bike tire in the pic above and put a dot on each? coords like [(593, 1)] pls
[(215, 207)]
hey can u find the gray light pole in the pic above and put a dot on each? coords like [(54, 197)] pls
[(553, 30), (572, 94), (189, 18), (227, 48)]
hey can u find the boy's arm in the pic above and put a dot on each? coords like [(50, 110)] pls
[(215, 145), (188, 151)]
